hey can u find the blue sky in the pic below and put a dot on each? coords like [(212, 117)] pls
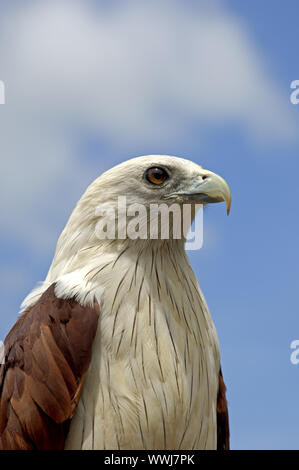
[(90, 84)]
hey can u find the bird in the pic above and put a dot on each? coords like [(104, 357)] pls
[(116, 348)]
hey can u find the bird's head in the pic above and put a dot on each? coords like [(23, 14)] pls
[(160, 179), (144, 182), (135, 185)]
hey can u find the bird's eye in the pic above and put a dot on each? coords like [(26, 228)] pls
[(156, 175)]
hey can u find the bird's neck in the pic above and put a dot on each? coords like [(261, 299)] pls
[(98, 266)]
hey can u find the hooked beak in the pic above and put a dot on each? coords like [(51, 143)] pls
[(206, 188)]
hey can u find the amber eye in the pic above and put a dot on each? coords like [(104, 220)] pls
[(156, 175)]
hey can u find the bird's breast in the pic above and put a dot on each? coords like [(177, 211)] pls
[(153, 379)]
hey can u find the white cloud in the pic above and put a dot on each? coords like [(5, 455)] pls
[(120, 71), (135, 71)]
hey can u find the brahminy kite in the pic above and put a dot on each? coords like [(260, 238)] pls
[(116, 349)]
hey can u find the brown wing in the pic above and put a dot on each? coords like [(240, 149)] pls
[(47, 354), (222, 417)]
